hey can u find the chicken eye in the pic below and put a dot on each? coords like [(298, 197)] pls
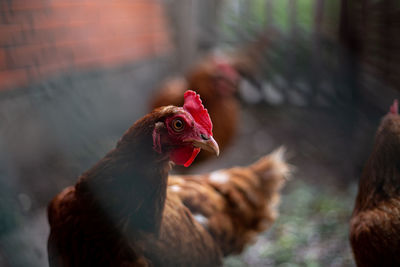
[(178, 125)]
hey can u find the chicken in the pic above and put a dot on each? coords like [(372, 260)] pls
[(375, 223), (125, 211), (216, 81), (117, 207)]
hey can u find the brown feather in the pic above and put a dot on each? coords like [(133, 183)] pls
[(234, 204), (375, 223)]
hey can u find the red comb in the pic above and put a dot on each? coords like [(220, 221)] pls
[(394, 109), (194, 106)]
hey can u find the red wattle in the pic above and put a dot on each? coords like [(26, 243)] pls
[(184, 155), (194, 154)]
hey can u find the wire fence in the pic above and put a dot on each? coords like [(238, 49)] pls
[(305, 64)]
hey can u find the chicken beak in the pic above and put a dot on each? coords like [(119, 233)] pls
[(208, 144)]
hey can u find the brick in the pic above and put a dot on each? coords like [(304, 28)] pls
[(100, 10), (32, 17), (17, 5), (98, 31), (2, 59), (58, 35), (37, 54), (32, 5), (10, 17), (16, 36), (54, 22), (112, 51), (93, 51), (23, 56), (112, 19), (10, 33), (13, 78)]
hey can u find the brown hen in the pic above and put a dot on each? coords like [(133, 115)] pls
[(375, 223), (117, 214), (125, 211)]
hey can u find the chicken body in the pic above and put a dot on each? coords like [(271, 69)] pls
[(125, 211), (81, 236), (234, 204), (375, 223), (205, 217)]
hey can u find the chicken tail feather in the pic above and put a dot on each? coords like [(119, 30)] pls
[(237, 203)]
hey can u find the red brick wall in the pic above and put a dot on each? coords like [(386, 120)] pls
[(39, 38)]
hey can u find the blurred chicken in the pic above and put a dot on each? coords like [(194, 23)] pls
[(125, 211), (375, 223), (216, 78), (217, 82)]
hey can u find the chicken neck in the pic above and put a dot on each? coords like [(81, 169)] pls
[(128, 185), (380, 180)]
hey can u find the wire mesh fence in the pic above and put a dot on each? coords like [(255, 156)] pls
[(305, 64)]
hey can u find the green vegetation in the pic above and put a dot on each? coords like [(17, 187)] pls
[(250, 16), (305, 14)]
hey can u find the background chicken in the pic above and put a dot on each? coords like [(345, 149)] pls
[(120, 211), (216, 77), (216, 81), (375, 224)]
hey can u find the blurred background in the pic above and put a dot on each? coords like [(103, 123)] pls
[(74, 75)]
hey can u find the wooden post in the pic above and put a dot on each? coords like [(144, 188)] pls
[(207, 23), (186, 43), (194, 24), (182, 19)]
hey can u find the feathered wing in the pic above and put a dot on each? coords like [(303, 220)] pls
[(235, 204), (79, 237), (182, 241), (373, 235)]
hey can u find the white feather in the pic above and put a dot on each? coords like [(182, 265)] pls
[(175, 188), (220, 177), (201, 219)]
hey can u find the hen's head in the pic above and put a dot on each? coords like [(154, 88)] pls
[(394, 109), (388, 134), (183, 131), (227, 77)]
